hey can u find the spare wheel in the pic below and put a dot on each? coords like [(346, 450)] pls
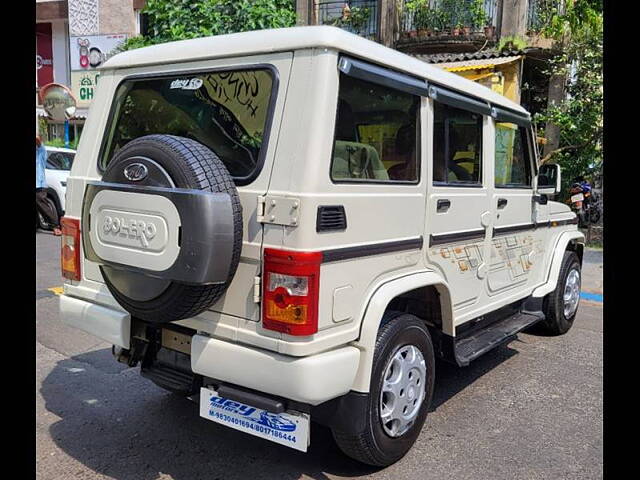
[(165, 225)]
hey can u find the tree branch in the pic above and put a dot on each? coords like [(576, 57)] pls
[(555, 152)]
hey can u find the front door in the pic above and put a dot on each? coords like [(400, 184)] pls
[(520, 224)]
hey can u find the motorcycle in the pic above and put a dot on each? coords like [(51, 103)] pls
[(584, 201)]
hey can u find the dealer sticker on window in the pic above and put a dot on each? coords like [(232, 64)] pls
[(289, 428)]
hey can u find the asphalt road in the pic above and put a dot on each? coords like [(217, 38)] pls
[(528, 410)]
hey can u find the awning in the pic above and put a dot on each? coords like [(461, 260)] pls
[(81, 113), (476, 64)]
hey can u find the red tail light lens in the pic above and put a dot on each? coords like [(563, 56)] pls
[(70, 254), (290, 291)]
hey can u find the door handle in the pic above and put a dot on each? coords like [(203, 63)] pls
[(502, 202), (443, 205)]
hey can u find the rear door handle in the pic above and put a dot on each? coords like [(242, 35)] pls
[(443, 205), (502, 202)]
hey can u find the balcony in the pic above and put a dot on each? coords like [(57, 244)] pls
[(451, 24), (539, 13), (355, 16)]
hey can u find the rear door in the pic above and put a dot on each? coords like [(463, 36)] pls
[(458, 201), (237, 100)]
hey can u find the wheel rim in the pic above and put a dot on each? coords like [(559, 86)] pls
[(571, 295), (403, 390)]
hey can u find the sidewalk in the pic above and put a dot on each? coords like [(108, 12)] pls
[(592, 273)]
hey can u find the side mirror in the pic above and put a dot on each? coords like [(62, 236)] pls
[(549, 179)]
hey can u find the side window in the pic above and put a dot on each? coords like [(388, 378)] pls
[(457, 146), (513, 165), (68, 158), (376, 134)]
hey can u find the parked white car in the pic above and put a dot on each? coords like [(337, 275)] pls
[(293, 224), (59, 162)]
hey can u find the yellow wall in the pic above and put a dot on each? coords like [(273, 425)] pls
[(502, 79)]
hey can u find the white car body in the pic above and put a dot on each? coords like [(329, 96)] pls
[(57, 177), (396, 238)]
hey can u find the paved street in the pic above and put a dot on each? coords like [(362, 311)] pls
[(528, 410)]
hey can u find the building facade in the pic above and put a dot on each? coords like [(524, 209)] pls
[(73, 38), (494, 42)]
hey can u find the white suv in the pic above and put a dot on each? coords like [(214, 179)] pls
[(295, 223)]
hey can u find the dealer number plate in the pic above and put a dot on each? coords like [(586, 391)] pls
[(578, 197), (289, 428)]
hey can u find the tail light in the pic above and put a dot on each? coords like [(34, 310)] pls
[(70, 254), (290, 291)]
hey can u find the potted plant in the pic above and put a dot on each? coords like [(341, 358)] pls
[(423, 20), (489, 29), (412, 7), (441, 21), (456, 29)]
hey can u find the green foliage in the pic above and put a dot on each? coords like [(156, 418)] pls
[(170, 20), (578, 18), (357, 19), (59, 143), (42, 127), (511, 42), (476, 17), (579, 116), (447, 14), (423, 16)]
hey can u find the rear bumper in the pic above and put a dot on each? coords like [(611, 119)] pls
[(113, 326), (314, 379)]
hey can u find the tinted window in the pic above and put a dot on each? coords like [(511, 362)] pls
[(59, 160), (513, 168), (226, 111), (457, 146), (376, 133)]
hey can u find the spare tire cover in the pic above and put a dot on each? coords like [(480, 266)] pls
[(173, 162)]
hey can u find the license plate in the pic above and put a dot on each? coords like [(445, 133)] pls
[(578, 197), (289, 428)]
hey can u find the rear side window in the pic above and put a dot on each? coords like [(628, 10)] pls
[(457, 146), (228, 111), (376, 134), (513, 166)]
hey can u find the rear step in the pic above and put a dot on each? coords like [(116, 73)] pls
[(471, 346), (171, 370)]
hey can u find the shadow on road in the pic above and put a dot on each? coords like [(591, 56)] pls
[(121, 425)]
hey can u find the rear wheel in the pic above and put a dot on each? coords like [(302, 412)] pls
[(561, 306), (401, 388)]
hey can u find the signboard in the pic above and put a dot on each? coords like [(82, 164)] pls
[(83, 86), (88, 52), (44, 54), (58, 101)]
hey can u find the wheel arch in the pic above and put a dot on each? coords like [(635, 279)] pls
[(567, 241), (379, 305)]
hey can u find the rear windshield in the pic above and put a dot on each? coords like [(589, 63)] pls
[(227, 111)]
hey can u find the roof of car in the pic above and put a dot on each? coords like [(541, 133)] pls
[(296, 38)]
